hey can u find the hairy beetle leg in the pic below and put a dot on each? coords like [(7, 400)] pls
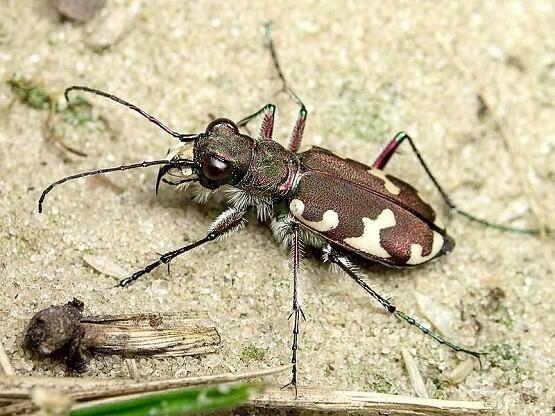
[(297, 313), (343, 262), (164, 259), (229, 221), (297, 133), (266, 126), (386, 153)]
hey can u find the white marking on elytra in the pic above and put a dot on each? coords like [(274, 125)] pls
[(388, 185), (370, 242), (329, 221), (281, 228), (416, 256)]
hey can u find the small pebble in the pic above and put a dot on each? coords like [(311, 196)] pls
[(460, 372), (439, 317), (160, 288), (79, 10), (105, 266), (114, 26)]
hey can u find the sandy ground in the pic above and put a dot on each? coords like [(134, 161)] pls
[(366, 70)]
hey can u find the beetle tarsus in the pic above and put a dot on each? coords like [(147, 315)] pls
[(285, 86), (292, 383)]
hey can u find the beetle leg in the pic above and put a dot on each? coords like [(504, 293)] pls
[(297, 133), (267, 124), (229, 221), (345, 264), (386, 153), (297, 313), (392, 146)]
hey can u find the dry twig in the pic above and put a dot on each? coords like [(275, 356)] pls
[(63, 329), (318, 399)]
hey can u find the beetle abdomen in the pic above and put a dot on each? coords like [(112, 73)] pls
[(366, 221)]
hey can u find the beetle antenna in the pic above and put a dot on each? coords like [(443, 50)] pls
[(172, 163), (286, 88), (152, 119)]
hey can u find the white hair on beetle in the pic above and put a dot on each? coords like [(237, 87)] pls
[(225, 219), (282, 226), (201, 194), (241, 199)]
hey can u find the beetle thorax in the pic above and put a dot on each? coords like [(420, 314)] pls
[(272, 171)]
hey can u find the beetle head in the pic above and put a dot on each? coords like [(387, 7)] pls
[(221, 155)]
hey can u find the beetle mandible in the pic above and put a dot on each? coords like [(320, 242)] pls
[(315, 197)]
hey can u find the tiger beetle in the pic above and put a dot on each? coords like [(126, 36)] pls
[(343, 207)]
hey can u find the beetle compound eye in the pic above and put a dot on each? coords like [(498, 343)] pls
[(215, 168)]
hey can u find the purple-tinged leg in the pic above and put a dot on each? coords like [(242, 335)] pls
[(391, 147), (267, 124), (297, 133)]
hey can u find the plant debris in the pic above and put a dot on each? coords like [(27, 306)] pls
[(30, 93), (105, 266), (61, 331), (252, 352), (414, 374), (440, 318), (461, 372), (57, 330)]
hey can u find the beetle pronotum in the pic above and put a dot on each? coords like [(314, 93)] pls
[(316, 198)]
